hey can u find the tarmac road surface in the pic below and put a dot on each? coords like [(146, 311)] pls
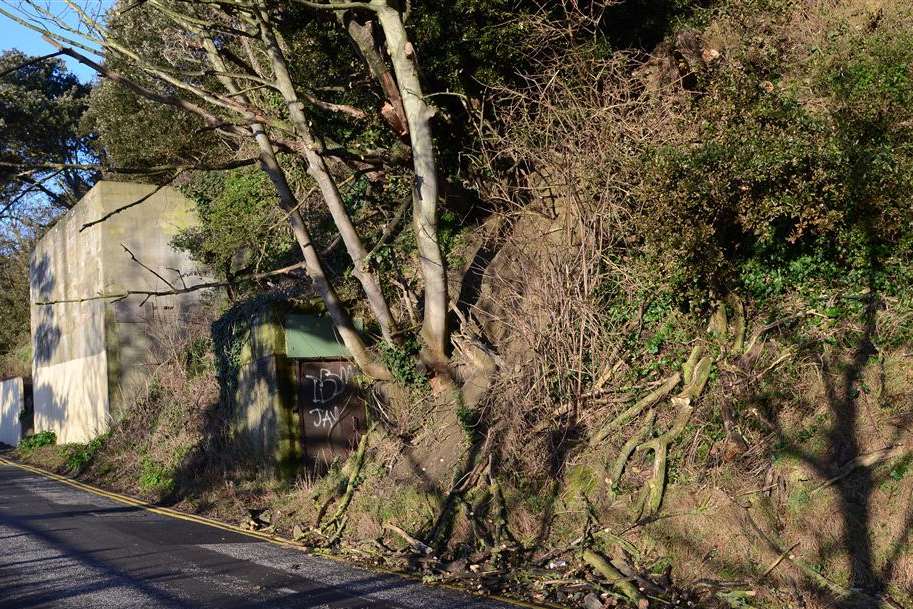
[(63, 547)]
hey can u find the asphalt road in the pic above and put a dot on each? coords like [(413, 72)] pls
[(63, 547)]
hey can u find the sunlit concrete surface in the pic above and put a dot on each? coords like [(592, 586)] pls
[(91, 349), (12, 400)]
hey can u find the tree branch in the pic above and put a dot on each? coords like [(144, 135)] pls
[(174, 292), (337, 6), (123, 208), (156, 170), (30, 62), (137, 260)]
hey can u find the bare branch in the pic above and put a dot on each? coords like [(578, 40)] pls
[(155, 170), (46, 33), (337, 6), (288, 270), (331, 107), (123, 208), (137, 260), (30, 62)]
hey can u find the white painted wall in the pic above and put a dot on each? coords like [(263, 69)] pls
[(12, 397), (71, 398)]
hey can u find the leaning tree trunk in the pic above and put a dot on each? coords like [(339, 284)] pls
[(317, 168), (313, 265), (350, 336), (425, 189)]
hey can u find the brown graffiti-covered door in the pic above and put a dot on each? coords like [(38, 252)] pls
[(331, 411)]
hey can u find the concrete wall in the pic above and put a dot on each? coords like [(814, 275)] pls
[(89, 351), (12, 400), (68, 338), (147, 230), (266, 417)]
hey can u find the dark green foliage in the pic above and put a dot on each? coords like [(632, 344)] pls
[(44, 438), (400, 360), (134, 131), (164, 136), (241, 228), (14, 299), (901, 467), (780, 193), (155, 477), (41, 106), (80, 456)]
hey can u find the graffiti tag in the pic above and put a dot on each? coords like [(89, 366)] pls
[(327, 387), (325, 418)]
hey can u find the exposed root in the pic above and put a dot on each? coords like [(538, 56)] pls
[(688, 367), (615, 577), (627, 450), (358, 462), (645, 402), (416, 545), (652, 496)]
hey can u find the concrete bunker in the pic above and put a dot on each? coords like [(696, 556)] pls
[(292, 392), (297, 400), (91, 349)]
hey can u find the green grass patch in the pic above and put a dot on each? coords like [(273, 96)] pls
[(44, 438), (155, 477)]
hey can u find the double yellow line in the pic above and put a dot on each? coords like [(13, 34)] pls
[(151, 508), (273, 539)]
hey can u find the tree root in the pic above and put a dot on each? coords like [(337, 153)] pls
[(358, 463), (693, 359), (656, 487), (615, 577), (645, 402), (738, 323), (627, 450), (866, 460)]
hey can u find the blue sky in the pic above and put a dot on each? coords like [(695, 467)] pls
[(15, 36)]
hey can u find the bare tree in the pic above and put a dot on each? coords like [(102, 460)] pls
[(235, 98)]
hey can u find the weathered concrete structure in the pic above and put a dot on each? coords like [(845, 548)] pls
[(90, 350), (15, 410), (295, 401)]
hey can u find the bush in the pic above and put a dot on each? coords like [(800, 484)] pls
[(155, 477), (785, 185), (241, 227), (81, 455), (400, 360), (44, 438)]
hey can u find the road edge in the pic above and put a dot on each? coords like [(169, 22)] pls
[(273, 539)]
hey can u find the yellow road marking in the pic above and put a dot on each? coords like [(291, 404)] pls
[(273, 539)]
